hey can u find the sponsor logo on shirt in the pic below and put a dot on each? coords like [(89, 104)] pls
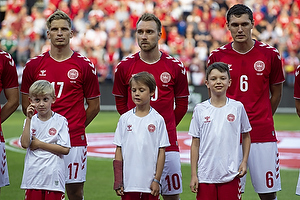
[(42, 72), (52, 131), (207, 119), (151, 128), (259, 66), (129, 127), (73, 74), (230, 117)]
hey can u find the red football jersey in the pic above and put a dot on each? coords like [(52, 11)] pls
[(171, 82), (252, 73), (9, 77), (73, 79), (297, 83)]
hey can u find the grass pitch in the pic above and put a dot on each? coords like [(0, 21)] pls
[(100, 173)]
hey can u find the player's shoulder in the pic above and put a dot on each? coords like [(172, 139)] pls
[(127, 61), (171, 61), (202, 106), (235, 103), (266, 47), (37, 59), (83, 60), (222, 49), (156, 114)]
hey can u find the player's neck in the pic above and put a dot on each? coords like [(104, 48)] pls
[(60, 54), (142, 110), (218, 101), (243, 47), (46, 116), (150, 57)]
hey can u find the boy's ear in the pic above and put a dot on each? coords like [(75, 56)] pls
[(54, 99)]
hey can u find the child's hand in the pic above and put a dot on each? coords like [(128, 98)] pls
[(120, 191), (194, 184), (242, 170), (34, 143), (154, 188), (30, 110)]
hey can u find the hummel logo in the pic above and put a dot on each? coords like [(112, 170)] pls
[(43, 73)]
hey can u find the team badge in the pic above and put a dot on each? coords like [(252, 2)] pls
[(52, 131), (259, 66), (73, 74), (165, 77), (230, 117), (151, 128)]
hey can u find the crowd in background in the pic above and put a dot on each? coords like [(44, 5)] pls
[(104, 30)]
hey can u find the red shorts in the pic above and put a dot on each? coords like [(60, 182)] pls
[(33, 194), (220, 191), (138, 195)]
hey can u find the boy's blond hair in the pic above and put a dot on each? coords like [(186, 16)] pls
[(41, 88)]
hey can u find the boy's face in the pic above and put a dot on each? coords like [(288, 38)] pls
[(218, 82), (140, 93), (42, 104)]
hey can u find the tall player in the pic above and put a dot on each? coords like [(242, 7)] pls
[(172, 86), (297, 104), (9, 85), (74, 78), (257, 78)]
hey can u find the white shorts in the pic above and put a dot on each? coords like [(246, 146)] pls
[(171, 179), (298, 185), (4, 179), (263, 164), (76, 164)]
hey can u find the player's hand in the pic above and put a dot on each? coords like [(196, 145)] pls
[(30, 110), (194, 184), (154, 188), (34, 143), (120, 191), (242, 170)]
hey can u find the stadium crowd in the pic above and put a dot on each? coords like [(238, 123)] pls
[(104, 30)]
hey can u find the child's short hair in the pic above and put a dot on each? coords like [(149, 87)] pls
[(40, 88), (222, 67), (144, 78), (58, 14)]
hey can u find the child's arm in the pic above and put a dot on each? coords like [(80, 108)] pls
[(53, 148), (155, 185), (25, 137), (194, 160), (246, 142), (118, 172)]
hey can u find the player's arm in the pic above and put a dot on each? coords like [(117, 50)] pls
[(246, 142), (194, 160), (276, 93), (25, 102), (25, 137), (12, 96), (297, 104), (181, 106), (92, 110), (121, 104), (118, 172), (155, 185), (53, 148)]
